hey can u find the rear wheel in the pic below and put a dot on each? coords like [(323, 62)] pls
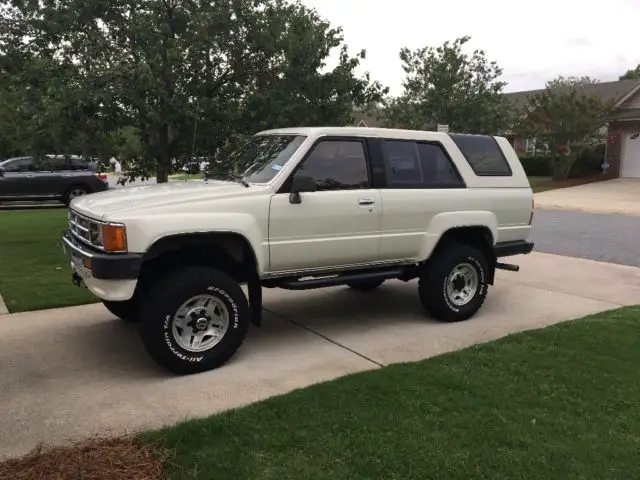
[(365, 285), (194, 319), (453, 285), (126, 311), (74, 192)]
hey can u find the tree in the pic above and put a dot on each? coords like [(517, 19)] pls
[(572, 81), (567, 121), (444, 85), (632, 74), (188, 75)]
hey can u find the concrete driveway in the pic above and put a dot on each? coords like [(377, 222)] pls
[(68, 373), (621, 195)]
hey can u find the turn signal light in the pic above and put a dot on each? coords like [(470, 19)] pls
[(114, 237)]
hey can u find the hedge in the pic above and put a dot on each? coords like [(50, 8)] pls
[(589, 162)]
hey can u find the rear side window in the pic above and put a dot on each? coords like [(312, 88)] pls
[(419, 165), (483, 154)]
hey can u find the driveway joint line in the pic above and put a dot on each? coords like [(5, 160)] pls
[(616, 305), (330, 340)]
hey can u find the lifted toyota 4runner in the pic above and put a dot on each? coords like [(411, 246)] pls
[(316, 207)]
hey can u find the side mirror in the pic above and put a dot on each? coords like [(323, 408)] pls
[(301, 183), (1, 171)]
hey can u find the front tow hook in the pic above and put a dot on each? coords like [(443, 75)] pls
[(76, 279)]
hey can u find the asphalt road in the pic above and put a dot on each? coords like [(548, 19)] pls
[(594, 236)]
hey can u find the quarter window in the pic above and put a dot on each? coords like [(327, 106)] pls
[(483, 154), (337, 165), (419, 165)]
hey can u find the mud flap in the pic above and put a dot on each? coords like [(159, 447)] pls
[(255, 300)]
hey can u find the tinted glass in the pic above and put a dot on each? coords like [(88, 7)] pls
[(416, 165), (263, 156), (483, 154), (437, 169), (337, 165), (20, 165)]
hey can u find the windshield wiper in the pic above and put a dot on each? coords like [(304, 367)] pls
[(240, 179)]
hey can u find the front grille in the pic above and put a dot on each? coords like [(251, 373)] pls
[(86, 230)]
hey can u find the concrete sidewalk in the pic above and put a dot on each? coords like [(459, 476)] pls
[(68, 373), (620, 196)]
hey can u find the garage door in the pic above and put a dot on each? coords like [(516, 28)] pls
[(630, 160)]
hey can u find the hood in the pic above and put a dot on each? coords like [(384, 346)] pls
[(98, 205)]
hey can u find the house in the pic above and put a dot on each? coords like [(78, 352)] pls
[(366, 120), (622, 129)]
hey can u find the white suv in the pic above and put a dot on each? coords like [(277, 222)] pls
[(316, 207)]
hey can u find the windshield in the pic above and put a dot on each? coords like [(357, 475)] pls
[(263, 156)]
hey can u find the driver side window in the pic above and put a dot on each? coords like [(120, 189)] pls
[(337, 165)]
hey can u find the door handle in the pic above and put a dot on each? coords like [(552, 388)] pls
[(65, 175), (366, 201), (30, 176)]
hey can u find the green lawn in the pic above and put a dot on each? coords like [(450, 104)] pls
[(34, 273), (187, 176), (558, 403), (540, 184)]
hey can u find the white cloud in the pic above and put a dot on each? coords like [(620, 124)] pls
[(532, 45)]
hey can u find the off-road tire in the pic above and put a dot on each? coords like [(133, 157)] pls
[(126, 311), (432, 285), (165, 297), (365, 285)]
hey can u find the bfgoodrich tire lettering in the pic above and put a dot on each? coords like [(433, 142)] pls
[(435, 279), (164, 300)]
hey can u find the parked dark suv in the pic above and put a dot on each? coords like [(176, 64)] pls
[(52, 177)]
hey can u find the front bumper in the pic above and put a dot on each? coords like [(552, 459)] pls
[(108, 276), (103, 266)]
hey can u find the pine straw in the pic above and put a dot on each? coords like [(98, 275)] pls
[(97, 458)]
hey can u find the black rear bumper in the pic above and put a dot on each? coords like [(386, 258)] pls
[(103, 266), (517, 247)]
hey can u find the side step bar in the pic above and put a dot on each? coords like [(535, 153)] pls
[(332, 281)]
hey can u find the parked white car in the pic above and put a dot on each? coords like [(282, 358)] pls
[(317, 207)]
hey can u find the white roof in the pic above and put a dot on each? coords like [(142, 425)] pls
[(358, 132)]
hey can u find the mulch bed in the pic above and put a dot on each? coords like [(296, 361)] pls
[(98, 458)]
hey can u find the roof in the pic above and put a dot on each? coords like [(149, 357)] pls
[(608, 91), (358, 132)]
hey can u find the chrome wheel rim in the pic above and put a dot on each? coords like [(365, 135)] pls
[(462, 284), (200, 323), (76, 192)]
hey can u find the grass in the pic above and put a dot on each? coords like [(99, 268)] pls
[(542, 184), (34, 273), (557, 403), (187, 176)]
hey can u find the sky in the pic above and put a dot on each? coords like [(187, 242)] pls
[(532, 41)]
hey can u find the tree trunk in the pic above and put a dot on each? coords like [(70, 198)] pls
[(563, 165), (164, 160)]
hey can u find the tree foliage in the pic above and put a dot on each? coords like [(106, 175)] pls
[(445, 85), (160, 80), (632, 74), (571, 81), (566, 120)]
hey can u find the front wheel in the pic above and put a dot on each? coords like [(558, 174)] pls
[(194, 319), (453, 284)]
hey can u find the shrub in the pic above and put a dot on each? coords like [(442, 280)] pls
[(536, 165)]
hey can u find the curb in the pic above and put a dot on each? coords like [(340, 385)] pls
[(577, 208), (3, 307)]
